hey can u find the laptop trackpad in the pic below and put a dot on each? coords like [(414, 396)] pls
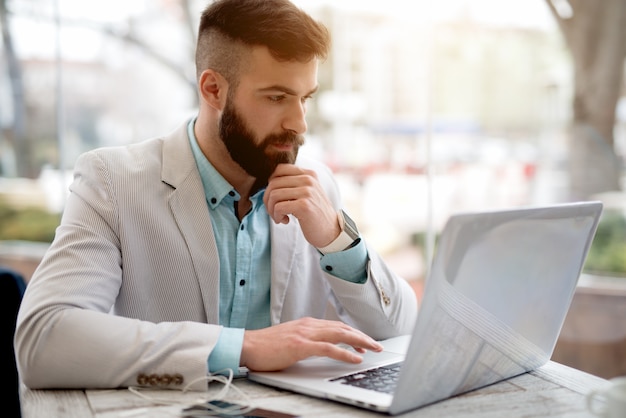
[(326, 368)]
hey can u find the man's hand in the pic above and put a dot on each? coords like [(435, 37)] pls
[(282, 345), (296, 191)]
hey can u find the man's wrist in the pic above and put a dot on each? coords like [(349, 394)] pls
[(347, 238)]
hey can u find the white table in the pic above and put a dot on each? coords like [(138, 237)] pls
[(554, 390)]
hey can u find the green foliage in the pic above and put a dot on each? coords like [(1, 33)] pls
[(28, 224), (607, 254)]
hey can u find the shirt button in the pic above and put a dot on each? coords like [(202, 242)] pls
[(329, 268), (231, 193), (213, 200), (242, 282), (242, 227)]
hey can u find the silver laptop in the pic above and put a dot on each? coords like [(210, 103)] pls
[(495, 300)]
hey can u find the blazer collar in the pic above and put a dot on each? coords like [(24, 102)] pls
[(178, 161), (190, 211)]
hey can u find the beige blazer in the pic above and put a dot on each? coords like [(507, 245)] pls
[(128, 292)]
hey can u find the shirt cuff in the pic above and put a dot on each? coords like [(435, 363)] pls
[(227, 352), (349, 265)]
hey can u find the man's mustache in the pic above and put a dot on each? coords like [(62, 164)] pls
[(285, 139)]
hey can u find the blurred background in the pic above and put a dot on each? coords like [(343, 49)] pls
[(424, 109)]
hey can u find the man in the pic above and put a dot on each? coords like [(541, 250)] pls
[(211, 248)]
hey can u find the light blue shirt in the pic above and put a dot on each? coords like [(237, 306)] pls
[(245, 256)]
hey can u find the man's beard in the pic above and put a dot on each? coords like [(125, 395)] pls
[(258, 160)]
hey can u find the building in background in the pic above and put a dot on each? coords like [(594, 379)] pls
[(423, 109)]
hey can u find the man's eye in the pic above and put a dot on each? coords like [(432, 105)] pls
[(277, 98)]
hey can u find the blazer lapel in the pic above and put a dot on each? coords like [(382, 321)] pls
[(191, 213), (285, 245)]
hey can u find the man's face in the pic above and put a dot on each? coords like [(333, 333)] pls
[(263, 119), (258, 158)]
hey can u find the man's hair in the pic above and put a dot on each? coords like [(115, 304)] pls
[(229, 28)]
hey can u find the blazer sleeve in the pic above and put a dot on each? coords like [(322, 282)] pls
[(66, 334)]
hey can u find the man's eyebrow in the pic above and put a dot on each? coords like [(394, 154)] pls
[(286, 90)]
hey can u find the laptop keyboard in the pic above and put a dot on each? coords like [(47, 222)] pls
[(381, 379)]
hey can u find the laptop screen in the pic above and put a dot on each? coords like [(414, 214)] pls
[(496, 298)]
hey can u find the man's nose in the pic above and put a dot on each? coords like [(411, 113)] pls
[(295, 119)]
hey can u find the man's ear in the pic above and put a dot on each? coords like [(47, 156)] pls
[(213, 89)]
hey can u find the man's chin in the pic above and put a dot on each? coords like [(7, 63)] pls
[(282, 157)]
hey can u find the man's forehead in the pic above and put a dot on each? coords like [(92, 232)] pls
[(265, 72)]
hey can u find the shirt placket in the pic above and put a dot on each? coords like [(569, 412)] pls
[(242, 283)]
